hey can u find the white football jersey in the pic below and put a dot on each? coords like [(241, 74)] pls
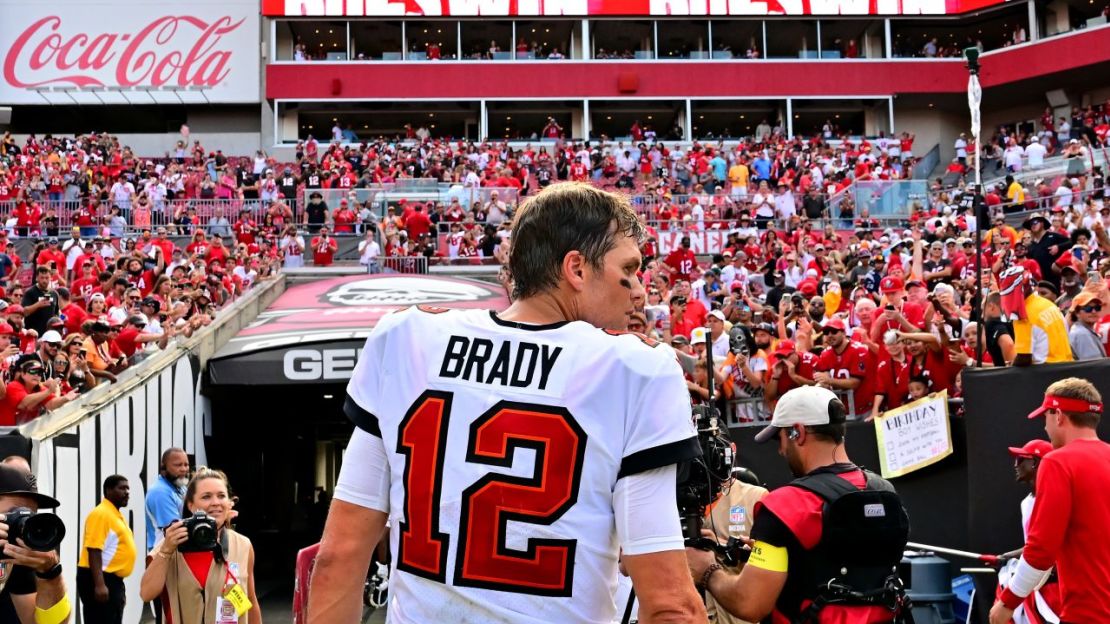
[(505, 442)]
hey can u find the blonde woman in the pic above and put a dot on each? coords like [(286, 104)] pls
[(208, 586)]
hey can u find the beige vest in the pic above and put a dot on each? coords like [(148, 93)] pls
[(189, 603), (742, 498)]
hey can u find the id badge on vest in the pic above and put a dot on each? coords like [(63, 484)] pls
[(233, 603)]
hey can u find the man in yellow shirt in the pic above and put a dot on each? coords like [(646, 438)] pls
[(738, 179), (107, 556), (1015, 192), (1040, 333)]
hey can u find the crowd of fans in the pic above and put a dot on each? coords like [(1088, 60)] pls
[(81, 308), (78, 309)]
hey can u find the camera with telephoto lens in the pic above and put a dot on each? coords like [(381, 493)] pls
[(701, 480), (202, 531), (39, 531)]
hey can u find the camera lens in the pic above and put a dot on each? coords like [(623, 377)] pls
[(203, 536), (43, 532)]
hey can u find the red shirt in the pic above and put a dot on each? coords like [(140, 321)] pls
[(683, 262), (417, 224), (9, 415), (323, 250), (74, 316), (1068, 529), (852, 362), (126, 340), (892, 380), (806, 363)]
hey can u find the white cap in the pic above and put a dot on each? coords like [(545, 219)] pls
[(717, 314), (697, 335), (805, 405), (51, 336)]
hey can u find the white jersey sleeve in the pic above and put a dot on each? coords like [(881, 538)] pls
[(364, 391), (660, 431)]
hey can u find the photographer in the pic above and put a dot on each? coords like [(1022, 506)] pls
[(200, 576), (31, 586), (819, 550)]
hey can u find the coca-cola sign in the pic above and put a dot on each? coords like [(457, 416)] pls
[(206, 47)]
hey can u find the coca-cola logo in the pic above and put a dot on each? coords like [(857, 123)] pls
[(170, 51)]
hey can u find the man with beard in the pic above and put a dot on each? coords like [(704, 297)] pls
[(164, 501), (843, 366), (792, 544), (1045, 245)]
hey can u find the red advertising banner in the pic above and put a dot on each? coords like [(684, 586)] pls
[(98, 50), (615, 8)]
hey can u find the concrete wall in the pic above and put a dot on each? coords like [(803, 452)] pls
[(932, 126), (123, 429)]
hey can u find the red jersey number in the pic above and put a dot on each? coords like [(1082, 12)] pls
[(483, 559)]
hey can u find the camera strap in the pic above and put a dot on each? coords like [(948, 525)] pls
[(221, 550)]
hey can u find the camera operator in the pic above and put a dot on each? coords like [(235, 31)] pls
[(796, 570), (31, 586), (204, 579), (731, 517)]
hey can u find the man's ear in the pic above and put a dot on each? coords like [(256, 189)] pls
[(574, 269)]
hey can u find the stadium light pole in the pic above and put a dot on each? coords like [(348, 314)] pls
[(974, 100)]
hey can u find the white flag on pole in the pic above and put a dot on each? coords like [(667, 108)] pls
[(974, 99)]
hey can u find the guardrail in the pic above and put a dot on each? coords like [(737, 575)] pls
[(203, 344), (754, 411)]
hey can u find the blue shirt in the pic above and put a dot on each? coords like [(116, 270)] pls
[(163, 505), (720, 168), (762, 167)]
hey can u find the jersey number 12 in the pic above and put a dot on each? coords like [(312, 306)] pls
[(483, 560)]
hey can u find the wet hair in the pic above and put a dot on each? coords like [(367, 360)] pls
[(563, 218)]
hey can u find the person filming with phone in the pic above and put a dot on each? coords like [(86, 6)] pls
[(205, 567)]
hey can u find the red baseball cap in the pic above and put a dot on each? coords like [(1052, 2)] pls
[(835, 323), (891, 284), (15, 309), (1066, 404), (785, 347), (6, 330), (1032, 448)]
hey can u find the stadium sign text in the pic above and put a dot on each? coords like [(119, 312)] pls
[(632, 8), (126, 46)]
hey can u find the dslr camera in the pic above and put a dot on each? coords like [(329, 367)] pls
[(202, 532), (39, 531)]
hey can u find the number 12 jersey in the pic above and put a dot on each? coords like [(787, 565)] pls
[(505, 443)]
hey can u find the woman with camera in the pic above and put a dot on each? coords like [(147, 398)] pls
[(205, 568)]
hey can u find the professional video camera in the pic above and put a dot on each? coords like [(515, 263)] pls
[(202, 532), (700, 481), (39, 531)]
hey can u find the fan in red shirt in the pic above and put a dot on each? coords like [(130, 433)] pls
[(344, 218), (788, 368), (578, 171), (417, 223), (245, 228), (1070, 513), (681, 263), (843, 366), (323, 248), (51, 254)]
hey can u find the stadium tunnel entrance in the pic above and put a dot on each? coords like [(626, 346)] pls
[(277, 391)]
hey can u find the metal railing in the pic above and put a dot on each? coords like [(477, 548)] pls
[(404, 264), (755, 412), (383, 197)]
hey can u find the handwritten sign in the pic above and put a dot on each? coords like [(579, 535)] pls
[(914, 435)]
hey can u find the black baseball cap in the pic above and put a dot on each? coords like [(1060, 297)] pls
[(15, 482)]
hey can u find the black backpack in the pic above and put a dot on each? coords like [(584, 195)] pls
[(864, 534)]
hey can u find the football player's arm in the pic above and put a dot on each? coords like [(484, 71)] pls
[(658, 435), (355, 523), (651, 542)]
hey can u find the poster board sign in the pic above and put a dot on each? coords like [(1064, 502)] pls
[(913, 436)]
